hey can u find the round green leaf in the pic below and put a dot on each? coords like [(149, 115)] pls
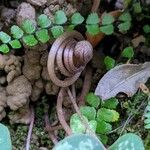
[(16, 32), (109, 62), (28, 26), (146, 28), (128, 52), (57, 31), (60, 17), (4, 37), (30, 40), (107, 19), (93, 29), (15, 44), (125, 17), (92, 19), (123, 27), (137, 7), (43, 21), (4, 48), (92, 99), (107, 29), (42, 35), (77, 19)]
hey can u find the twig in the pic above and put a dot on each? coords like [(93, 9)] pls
[(48, 127), (30, 129), (95, 5), (57, 127), (86, 85), (60, 112)]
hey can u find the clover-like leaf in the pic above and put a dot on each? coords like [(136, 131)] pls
[(107, 19), (107, 115), (15, 44), (107, 29), (93, 29), (42, 35), (110, 103), (28, 26), (137, 7), (5, 140), (57, 31), (43, 21), (92, 100), (88, 112), (70, 27), (4, 37), (125, 17), (92, 19), (30, 40), (76, 18), (92, 125), (4, 48), (103, 127), (109, 62), (128, 52), (16, 32), (146, 28), (60, 17), (125, 26)]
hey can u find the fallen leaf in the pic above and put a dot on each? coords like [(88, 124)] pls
[(123, 78), (136, 41)]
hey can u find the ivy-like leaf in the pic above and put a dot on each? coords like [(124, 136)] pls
[(125, 17), (92, 19), (92, 100), (4, 37), (43, 21), (128, 52), (42, 35), (60, 17), (110, 103), (76, 124), (103, 127), (125, 26), (57, 31), (93, 29), (30, 40), (4, 48), (28, 26), (88, 112), (16, 32), (107, 19), (109, 62), (107, 115), (107, 29), (15, 44), (77, 19)]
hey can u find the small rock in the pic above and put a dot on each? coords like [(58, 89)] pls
[(136, 41), (37, 2)]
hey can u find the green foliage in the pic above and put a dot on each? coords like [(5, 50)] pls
[(137, 7), (146, 28), (92, 19), (30, 40), (107, 19), (103, 138), (147, 116), (77, 19), (5, 140), (103, 127), (125, 17), (4, 37), (88, 112), (4, 48), (109, 62), (107, 29), (92, 126), (28, 26), (107, 115), (42, 35), (43, 21), (79, 142), (110, 103), (128, 52), (93, 100), (128, 141), (60, 17), (16, 32), (57, 31), (15, 44), (93, 29)]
